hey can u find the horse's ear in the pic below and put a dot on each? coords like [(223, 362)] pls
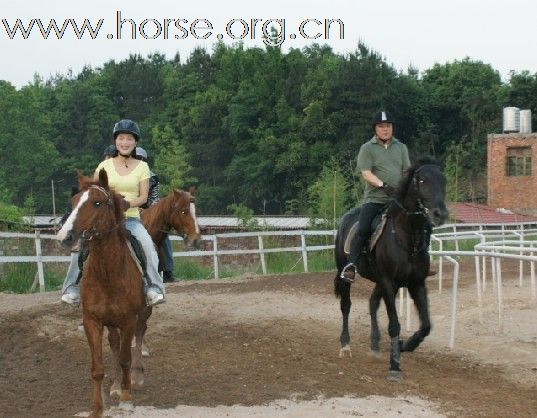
[(103, 178), (192, 190), (80, 179), (177, 193)]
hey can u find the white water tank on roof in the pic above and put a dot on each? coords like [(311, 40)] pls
[(511, 120), (525, 121)]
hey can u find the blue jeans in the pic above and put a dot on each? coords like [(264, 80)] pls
[(137, 229)]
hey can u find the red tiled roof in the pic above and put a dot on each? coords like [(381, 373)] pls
[(476, 213)]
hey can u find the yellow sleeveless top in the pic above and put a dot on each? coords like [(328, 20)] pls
[(128, 185)]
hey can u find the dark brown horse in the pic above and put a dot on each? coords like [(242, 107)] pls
[(399, 259), (111, 287), (175, 211)]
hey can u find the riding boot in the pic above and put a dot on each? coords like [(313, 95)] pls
[(349, 271)]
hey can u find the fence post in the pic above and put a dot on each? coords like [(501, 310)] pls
[(215, 257), (304, 251), (40, 272), (262, 254)]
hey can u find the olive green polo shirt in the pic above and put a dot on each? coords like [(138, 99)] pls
[(387, 163)]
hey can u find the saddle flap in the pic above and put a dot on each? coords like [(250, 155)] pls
[(378, 230)]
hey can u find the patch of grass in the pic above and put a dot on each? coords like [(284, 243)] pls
[(17, 277)]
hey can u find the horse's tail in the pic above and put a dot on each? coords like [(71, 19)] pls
[(348, 219)]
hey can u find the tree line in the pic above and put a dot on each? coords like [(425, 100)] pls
[(274, 132)]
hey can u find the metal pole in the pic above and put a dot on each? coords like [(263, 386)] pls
[(262, 254), (53, 204), (304, 251), (38, 253), (215, 257)]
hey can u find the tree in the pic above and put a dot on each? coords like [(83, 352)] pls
[(329, 195), (171, 160)]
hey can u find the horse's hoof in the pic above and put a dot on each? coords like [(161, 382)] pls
[(395, 376), (137, 382), (127, 406), (345, 352), (375, 354), (115, 390), (145, 351)]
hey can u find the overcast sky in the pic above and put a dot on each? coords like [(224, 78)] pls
[(412, 32)]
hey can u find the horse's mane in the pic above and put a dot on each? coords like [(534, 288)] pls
[(404, 184), (153, 214)]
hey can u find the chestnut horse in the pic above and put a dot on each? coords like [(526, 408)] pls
[(111, 287), (175, 211)]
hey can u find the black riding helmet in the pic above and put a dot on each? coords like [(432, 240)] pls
[(382, 117), (127, 126)]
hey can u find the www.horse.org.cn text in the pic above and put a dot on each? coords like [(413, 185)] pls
[(272, 32)]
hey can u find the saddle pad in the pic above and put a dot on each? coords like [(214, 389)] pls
[(374, 237)]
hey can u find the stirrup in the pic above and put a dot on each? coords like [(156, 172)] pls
[(348, 273)]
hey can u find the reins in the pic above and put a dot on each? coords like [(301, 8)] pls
[(422, 211)]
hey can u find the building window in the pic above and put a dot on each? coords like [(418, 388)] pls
[(518, 162)]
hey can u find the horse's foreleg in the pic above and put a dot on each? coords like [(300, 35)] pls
[(137, 366), (394, 329), (345, 305), (114, 341), (419, 294), (126, 334), (94, 335), (374, 303)]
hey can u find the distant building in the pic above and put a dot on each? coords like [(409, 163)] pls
[(512, 172)]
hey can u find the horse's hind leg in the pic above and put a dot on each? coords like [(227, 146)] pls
[(419, 294), (374, 303), (94, 334), (344, 290)]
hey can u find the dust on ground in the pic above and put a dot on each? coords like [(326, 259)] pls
[(268, 346)]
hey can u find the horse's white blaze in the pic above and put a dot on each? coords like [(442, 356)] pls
[(68, 225), (193, 214)]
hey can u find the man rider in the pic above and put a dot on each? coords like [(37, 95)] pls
[(381, 162)]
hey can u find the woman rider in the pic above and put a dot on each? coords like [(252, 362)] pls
[(129, 177)]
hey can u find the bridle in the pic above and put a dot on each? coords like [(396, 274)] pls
[(422, 209), (89, 234)]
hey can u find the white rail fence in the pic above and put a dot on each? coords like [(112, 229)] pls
[(215, 252), (496, 250)]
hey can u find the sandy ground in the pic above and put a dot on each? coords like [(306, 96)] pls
[(268, 347)]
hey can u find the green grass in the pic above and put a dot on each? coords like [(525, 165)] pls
[(19, 277)]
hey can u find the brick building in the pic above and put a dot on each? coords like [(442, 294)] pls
[(512, 172)]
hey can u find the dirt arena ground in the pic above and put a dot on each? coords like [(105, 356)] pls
[(268, 346)]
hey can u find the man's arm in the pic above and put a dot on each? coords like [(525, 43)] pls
[(372, 179)]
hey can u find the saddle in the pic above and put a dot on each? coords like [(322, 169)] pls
[(378, 225), (134, 246)]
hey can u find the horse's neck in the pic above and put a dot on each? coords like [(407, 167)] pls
[(110, 252), (156, 221), (407, 216)]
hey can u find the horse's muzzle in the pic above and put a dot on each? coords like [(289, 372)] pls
[(69, 240), (438, 216), (195, 243)]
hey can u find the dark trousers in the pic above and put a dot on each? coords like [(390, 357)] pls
[(367, 213)]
